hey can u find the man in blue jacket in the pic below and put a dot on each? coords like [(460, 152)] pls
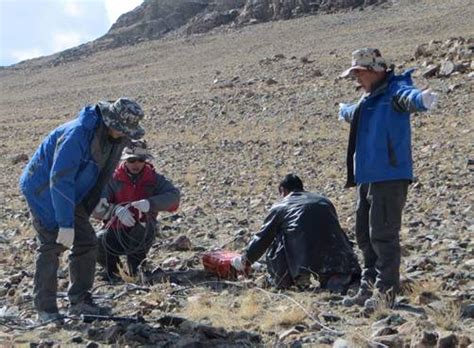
[(62, 184), (379, 163)]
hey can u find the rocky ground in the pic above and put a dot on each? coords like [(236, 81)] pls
[(228, 114)]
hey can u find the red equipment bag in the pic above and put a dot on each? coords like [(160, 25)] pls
[(219, 263)]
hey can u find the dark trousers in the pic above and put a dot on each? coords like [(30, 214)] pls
[(135, 242), (378, 222), (81, 263)]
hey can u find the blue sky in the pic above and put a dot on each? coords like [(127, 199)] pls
[(34, 28)]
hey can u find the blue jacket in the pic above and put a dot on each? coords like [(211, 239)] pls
[(62, 171), (380, 139)]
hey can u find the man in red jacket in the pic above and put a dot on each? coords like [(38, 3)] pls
[(129, 207)]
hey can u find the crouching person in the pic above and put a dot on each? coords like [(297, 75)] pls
[(129, 207), (301, 236)]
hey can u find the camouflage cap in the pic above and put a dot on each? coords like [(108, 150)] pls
[(137, 149), (123, 115), (366, 59)]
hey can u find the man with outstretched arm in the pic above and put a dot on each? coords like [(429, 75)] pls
[(379, 163)]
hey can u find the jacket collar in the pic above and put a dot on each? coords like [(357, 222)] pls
[(89, 117), (121, 173), (381, 86)]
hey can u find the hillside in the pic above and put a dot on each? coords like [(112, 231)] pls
[(229, 112)]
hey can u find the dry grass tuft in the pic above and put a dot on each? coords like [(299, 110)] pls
[(284, 316), (124, 273), (447, 317), (250, 306), (210, 308), (420, 292), (356, 338)]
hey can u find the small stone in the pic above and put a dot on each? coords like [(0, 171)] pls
[(430, 71), (171, 262), (112, 333), (447, 68), (77, 339), (426, 297), (468, 311), (92, 345), (270, 82), (392, 341), (384, 331), (20, 158), (325, 340), (330, 317), (182, 243), (448, 341), (287, 333), (341, 343), (429, 338)]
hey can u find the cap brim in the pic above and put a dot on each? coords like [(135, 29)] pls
[(349, 71), (135, 133), (144, 157)]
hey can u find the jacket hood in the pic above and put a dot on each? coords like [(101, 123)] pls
[(89, 118)]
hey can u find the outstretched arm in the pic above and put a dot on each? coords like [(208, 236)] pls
[(264, 238)]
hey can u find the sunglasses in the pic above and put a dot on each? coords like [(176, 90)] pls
[(133, 160)]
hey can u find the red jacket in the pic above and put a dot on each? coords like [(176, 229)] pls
[(148, 185)]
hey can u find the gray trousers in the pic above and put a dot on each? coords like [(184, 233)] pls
[(82, 261), (378, 222)]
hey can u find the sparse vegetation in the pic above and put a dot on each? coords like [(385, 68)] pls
[(227, 148)]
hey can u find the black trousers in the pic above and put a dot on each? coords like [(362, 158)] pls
[(378, 222), (82, 261), (134, 242)]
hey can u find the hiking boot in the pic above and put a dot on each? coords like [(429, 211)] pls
[(50, 317), (89, 307), (358, 299)]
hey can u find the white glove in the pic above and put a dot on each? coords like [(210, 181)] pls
[(101, 211), (125, 216), (65, 237), (238, 263), (341, 106), (429, 99), (142, 205), (343, 116)]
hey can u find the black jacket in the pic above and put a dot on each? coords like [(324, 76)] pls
[(302, 233)]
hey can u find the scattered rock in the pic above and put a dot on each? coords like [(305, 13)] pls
[(393, 341), (468, 311), (448, 341), (430, 71), (77, 339), (182, 243), (384, 331), (20, 158), (447, 68)]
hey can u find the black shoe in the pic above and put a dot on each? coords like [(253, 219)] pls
[(87, 306)]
